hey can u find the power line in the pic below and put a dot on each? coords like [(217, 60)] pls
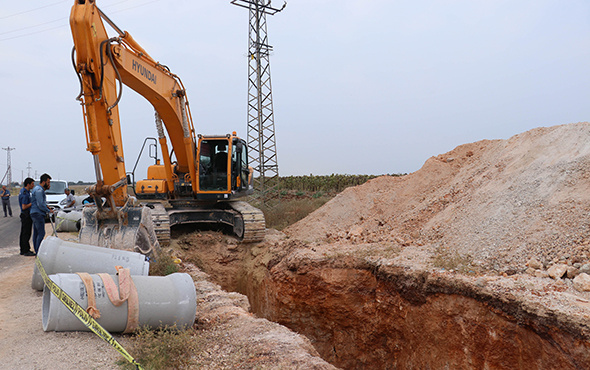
[(32, 33), (32, 10), (61, 19), (34, 26)]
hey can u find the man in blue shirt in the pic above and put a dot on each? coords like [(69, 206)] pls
[(39, 209), (26, 227), (5, 194)]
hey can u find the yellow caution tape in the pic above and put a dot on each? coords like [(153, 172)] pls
[(57, 225), (82, 315), (62, 220)]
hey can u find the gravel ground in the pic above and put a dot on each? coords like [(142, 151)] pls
[(24, 344)]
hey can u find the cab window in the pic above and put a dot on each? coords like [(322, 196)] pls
[(213, 165)]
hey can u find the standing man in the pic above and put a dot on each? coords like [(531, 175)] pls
[(5, 194), (39, 209), (70, 200), (26, 227)]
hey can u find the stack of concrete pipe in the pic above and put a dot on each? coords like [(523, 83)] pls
[(162, 300)]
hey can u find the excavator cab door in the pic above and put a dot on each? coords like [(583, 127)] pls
[(240, 169), (213, 165)]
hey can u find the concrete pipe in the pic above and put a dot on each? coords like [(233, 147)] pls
[(162, 300), (68, 221), (58, 256)]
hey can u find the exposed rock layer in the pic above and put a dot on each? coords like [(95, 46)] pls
[(367, 313), (366, 316)]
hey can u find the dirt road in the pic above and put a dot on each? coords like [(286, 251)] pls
[(23, 343), (10, 231), (229, 336)]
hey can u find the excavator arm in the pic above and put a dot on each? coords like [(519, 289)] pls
[(105, 63)]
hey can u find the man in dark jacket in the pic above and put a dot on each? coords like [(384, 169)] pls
[(26, 228)]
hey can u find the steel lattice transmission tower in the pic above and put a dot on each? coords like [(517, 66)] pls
[(8, 166), (262, 150)]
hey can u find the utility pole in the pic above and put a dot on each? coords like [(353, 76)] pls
[(8, 166), (29, 170), (262, 151)]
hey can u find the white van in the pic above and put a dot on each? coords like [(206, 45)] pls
[(56, 193)]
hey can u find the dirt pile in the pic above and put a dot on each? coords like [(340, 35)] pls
[(496, 203), (453, 266)]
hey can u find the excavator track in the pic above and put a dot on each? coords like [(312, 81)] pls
[(254, 225), (161, 222), (247, 221)]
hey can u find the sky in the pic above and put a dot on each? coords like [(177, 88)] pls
[(359, 86)]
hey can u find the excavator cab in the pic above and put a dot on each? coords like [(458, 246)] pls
[(223, 168)]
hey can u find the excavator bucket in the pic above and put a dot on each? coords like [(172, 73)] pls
[(132, 229)]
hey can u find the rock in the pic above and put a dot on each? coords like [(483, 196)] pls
[(356, 231), (572, 272), (582, 282), (535, 264), (530, 271), (481, 282), (585, 268), (541, 273), (557, 271)]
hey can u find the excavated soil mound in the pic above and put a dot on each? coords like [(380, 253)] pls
[(470, 262), (495, 203)]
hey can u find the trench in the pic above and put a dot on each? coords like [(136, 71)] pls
[(360, 314)]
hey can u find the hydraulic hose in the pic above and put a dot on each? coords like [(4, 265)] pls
[(107, 50), (77, 74), (110, 55)]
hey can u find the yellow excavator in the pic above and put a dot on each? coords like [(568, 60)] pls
[(197, 181)]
